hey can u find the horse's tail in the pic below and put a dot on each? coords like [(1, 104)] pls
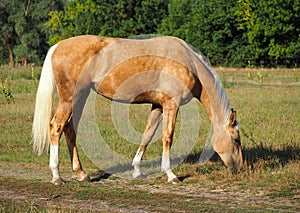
[(43, 106)]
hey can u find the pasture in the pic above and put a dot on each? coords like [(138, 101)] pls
[(267, 103)]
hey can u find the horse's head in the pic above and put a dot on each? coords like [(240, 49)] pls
[(228, 144)]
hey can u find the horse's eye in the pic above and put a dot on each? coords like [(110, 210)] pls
[(238, 141)]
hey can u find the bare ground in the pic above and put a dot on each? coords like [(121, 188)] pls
[(25, 184)]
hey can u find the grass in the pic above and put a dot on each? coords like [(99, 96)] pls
[(267, 102)]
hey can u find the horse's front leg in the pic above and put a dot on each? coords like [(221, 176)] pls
[(154, 119), (57, 124), (170, 110), (70, 135)]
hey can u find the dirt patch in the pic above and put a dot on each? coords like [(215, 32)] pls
[(27, 184)]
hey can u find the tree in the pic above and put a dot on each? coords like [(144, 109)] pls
[(208, 25), (272, 30), (176, 23), (8, 35), (149, 15), (77, 17), (234, 33), (230, 33), (213, 30), (22, 29), (117, 18)]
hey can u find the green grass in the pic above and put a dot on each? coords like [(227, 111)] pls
[(269, 116)]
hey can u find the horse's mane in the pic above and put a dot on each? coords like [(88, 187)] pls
[(218, 91), (220, 102)]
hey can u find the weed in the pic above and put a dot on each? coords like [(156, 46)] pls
[(6, 89), (260, 77), (250, 77)]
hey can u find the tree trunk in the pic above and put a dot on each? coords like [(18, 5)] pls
[(11, 55), (25, 61)]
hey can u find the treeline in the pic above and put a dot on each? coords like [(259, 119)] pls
[(234, 33)]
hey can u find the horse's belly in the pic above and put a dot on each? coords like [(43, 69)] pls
[(146, 87)]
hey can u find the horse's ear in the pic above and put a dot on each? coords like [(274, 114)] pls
[(232, 118)]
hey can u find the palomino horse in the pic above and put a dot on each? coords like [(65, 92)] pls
[(166, 72)]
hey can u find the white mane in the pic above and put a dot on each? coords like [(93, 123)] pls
[(217, 93)]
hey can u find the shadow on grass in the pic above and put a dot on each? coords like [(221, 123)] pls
[(258, 157), (100, 175), (268, 157)]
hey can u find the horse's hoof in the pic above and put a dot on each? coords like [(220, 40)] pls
[(141, 177), (85, 179), (58, 181), (174, 180)]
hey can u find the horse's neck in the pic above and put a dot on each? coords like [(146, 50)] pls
[(214, 113), (204, 99), (213, 97)]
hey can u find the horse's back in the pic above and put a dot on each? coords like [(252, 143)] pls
[(143, 70), (137, 68)]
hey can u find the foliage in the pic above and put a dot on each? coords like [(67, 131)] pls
[(272, 30), (107, 18), (235, 33), (207, 25), (232, 33), (238, 33), (5, 90), (22, 31)]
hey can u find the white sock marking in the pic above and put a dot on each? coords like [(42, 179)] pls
[(54, 160), (136, 164)]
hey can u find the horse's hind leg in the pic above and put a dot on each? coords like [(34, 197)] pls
[(64, 120), (155, 117), (70, 135), (57, 124), (70, 132)]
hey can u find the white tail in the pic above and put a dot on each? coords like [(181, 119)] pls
[(43, 106)]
